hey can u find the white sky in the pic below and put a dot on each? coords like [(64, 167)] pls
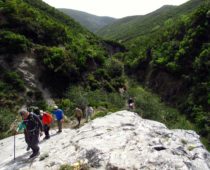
[(114, 8)]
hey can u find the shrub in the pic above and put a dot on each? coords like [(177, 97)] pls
[(114, 67), (66, 167), (99, 114), (149, 106), (6, 119), (13, 43), (14, 79), (82, 97)]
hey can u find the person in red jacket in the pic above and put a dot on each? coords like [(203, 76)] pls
[(46, 121)]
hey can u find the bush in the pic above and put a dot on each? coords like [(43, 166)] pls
[(82, 97), (53, 58), (99, 114), (149, 106), (114, 67), (76, 166), (6, 119), (66, 167), (13, 43), (14, 79)]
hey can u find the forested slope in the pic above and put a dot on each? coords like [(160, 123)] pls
[(175, 63), (65, 54), (130, 28), (92, 22)]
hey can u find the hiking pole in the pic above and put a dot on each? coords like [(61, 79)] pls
[(12, 126), (14, 146)]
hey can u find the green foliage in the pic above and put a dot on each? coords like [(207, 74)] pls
[(202, 62), (131, 28), (15, 80), (99, 114), (66, 167), (91, 22), (66, 52), (32, 23), (149, 106), (77, 96), (78, 166), (11, 85), (54, 58), (114, 67), (13, 43), (179, 51), (6, 119)]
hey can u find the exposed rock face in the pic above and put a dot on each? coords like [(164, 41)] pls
[(27, 65), (122, 140)]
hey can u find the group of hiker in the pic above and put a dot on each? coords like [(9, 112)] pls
[(35, 122)]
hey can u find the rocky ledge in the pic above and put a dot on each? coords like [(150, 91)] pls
[(120, 140)]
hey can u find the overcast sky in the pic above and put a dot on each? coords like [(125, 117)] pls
[(114, 8)]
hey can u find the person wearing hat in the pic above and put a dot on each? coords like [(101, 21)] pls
[(59, 116), (33, 126), (88, 112), (78, 114)]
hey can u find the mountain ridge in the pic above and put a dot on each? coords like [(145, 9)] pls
[(92, 22), (144, 25)]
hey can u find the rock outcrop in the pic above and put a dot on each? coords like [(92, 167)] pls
[(27, 66), (121, 140)]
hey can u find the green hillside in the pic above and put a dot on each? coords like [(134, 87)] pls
[(129, 28), (92, 22), (175, 63), (65, 53)]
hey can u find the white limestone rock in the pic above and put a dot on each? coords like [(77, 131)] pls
[(121, 140)]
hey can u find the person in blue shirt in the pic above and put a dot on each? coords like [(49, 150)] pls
[(59, 116)]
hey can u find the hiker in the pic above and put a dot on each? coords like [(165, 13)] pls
[(33, 125), (46, 121), (131, 103), (88, 112), (35, 110), (59, 116), (78, 114)]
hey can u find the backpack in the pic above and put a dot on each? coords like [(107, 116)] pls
[(35, 110), (32, 121), (47, 118), (90, 110)]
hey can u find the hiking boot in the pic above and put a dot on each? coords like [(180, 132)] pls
[(34, 154), (46, 137), (59, 131), (28, 148)]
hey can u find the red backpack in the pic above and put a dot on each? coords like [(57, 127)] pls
[(47, 118)]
